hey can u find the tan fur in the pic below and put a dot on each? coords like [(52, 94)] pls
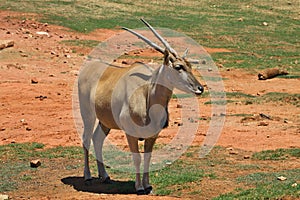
[(134, 99)]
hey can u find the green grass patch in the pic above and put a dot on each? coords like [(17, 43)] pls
[(289, 76), (267, 186), (15, 159), (183, 177), (174, 178), (285, 98), (237, 25), (238, 95), (278, 154), (219, 102), (81, 43)]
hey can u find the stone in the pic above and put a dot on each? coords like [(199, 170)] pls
[(34, 80), (4, 197), (263, 124), (179, 106), (281, 178), (6, 43), (35, 163)]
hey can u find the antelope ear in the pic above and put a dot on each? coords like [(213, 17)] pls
[(166, 57)]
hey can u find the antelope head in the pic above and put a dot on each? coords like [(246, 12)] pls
[(178, 68)]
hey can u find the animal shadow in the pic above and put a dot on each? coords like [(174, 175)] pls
[(114, 187)]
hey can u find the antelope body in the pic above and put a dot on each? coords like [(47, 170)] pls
[(134, 99)]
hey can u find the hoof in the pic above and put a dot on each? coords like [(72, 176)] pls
[(88, 182), (106, 180), (148, 189), (140, 192)]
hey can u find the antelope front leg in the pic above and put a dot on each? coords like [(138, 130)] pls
[(149, 142), (134, 148)]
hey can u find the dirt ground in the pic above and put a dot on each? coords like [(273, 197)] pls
[(37, 76)]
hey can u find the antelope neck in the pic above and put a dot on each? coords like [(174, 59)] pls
[(160, 88)]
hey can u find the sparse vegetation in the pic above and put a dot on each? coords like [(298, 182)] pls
[(81, 43), (260, 34), (181, 178), (278, 154)]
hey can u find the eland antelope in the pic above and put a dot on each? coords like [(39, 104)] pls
[(133, 99)]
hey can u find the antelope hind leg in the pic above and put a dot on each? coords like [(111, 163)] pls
[(98, 140)]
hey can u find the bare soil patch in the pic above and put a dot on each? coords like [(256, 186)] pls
[(37, 76)]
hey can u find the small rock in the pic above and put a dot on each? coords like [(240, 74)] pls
[(6, 43), (209, 69), (2, 129), (4, 197), (34, 80), (168, 163), (265, 24), (24, 55), (75, 72), (246, 156), (263, 124), (287, 122), (125, 62), (229, 149), (281, 178), (41, 97), (28, 129), (265, 116), (179, 106), (294, 185), (233, 152), (35, 163), (42, 33), (240, 19), (220, 65), (180, 124)]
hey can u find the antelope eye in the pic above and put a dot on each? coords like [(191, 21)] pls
[(178, 66)]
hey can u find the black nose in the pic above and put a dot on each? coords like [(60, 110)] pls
[(200, 88)]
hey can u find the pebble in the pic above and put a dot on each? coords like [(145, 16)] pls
[(4, 197), (34, 81), (35, 163), (294, 185), (179, 106), (168, 163), (281, 178), (6, 43), (263, 124)]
